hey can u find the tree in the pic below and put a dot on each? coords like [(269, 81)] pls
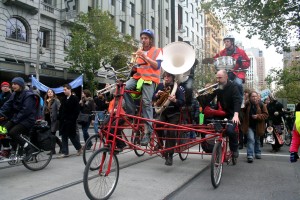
[(288, 82), (275, 22), (95, 40)]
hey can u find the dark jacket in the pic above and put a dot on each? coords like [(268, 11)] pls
[(273, 107), (87, 106), (262, 115), (229, 98), (20, 108), (173, 107), (101, 104), (4, 96)]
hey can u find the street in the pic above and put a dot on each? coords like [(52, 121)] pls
[(146, 177)]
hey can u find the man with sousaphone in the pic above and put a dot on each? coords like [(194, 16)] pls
[(168, 99)]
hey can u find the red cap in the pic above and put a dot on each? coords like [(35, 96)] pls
[(5, 84)]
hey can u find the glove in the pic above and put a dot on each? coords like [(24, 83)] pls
[(294, 157), (276, 113), (239, 61)]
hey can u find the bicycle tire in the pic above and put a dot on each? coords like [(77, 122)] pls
[(137, 142), (184, 151), (99, 186), (39, 160), (97, 143), (216, 165), (287, 138)]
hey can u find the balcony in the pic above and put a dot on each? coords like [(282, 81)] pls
[(29, 5)]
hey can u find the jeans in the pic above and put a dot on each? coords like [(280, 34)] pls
[(147, 109), (85, 129), (253, 144), (232, 135), (98, 116)]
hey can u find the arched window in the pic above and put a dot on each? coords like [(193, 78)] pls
[(16, 29)]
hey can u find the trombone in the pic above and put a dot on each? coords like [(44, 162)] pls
[(107, 89), (208, 90)]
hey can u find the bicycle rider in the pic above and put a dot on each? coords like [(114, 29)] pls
[(21, 112), (230, 100)]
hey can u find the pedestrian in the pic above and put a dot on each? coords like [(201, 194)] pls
[(253, 125), (5, 93), (50, 111), (101, 106), (68, 114), (87, 106)]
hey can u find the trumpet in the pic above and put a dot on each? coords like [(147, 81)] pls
[(134, 57), (208, 90), (107, 89)]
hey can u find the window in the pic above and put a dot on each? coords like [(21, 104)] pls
[(45, 38), (122, 26), (197, 26), (201, 31), (16, 29), (113, 2), (153, 4), (187, 31), (123, 5), (67, 41), (132, 31), (48, 2), (112, 17), (197, 39), (192, 6), (167, 32), (193, 37), (167, 14), (132, 9), (152, 23)]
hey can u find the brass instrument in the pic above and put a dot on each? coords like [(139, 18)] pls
[(133, 59), (208, 90), (105, 90), (163, 97)]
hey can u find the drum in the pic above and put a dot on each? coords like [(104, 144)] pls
[(224, 62)]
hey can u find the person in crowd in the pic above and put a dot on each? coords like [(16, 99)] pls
[(101, 106), (275, 110), (170, 114), (51, 111), (145, 78), (242, 137), (241, 58), (230, 100), (296, 136), (68, 114), (20, 112), (5, 93), (87, 106), (253, 125)]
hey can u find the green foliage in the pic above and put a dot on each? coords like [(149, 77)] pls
[(275, 22), (96, 40), (287, 81)]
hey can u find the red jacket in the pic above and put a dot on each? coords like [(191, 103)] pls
[(236, 54)]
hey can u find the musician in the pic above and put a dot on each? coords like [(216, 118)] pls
[(242, 61), (171, 113), (145, 79), (230, 101)]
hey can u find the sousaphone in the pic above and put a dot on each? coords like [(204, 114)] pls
[(178, 58)]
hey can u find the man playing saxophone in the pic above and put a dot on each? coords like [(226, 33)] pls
[(144, 79), (169, 111)]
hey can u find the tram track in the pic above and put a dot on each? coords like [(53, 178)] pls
[(71, 184)]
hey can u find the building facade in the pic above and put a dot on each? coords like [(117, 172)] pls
[(290, 57)]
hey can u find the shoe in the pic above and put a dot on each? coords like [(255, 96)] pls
[(169, 160), (145, 140), (250, 160), (53, 152), (258, 156), (4, 154), (63, 156), (236, 154), (29, 150), (79, 152)]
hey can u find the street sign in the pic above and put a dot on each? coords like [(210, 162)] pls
[(292, 107)]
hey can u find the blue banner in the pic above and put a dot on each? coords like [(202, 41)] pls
[(40, 86)]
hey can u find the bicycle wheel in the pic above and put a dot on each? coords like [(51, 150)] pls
[(39, 160), (184, 150), (137, 142), (93, 143), (287, 138), (97, 184), (216, 165)]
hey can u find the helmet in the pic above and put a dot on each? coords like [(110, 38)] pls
[(147, 32), (230, 37)]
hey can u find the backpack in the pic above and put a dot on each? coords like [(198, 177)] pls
[(39, 103), (42, 136)]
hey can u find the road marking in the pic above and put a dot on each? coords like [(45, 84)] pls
[(270, 154)]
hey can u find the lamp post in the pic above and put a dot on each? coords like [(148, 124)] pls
[(37, 67)]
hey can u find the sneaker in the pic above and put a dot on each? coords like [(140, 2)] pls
[(79, 152), (250, 160), (236, 154), (258, 156), (145, 140), (4, 154), (63, 156), (169, 161)]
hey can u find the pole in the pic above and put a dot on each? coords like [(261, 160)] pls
[(37, 67)]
